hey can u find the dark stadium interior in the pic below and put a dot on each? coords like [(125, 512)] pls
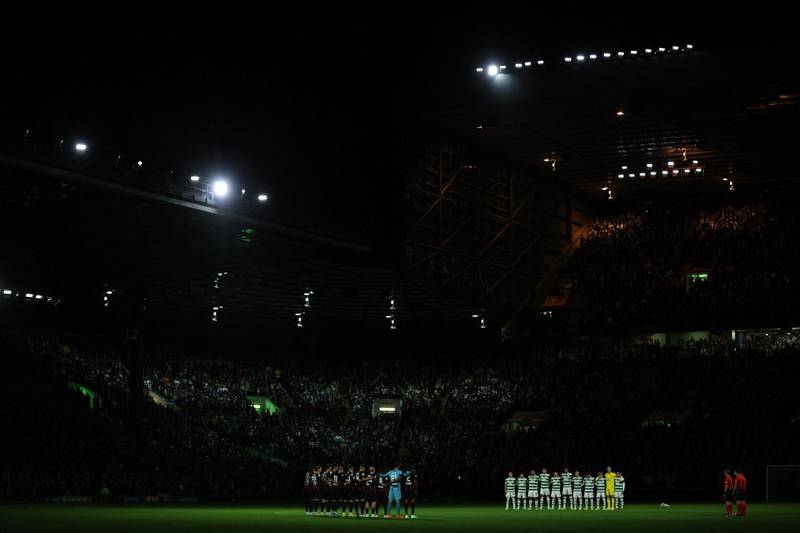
[(584, 262)]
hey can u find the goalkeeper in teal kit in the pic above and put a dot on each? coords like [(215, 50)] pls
[(394, 476)]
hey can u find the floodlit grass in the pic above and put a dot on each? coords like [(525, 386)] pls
[(684, 518)]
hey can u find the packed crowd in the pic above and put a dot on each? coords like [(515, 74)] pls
[(201, 436), (632, 270)]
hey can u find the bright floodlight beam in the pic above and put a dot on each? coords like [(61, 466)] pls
[(492, 70), (263, 197), (221, 188), (80, 147)]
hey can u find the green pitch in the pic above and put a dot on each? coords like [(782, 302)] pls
[(688, 518)]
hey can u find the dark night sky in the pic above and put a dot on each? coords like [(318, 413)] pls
[(304, 104)]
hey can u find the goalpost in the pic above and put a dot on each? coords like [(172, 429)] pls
[(782, 483)]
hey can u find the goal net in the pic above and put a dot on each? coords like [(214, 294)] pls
[(782, 483)]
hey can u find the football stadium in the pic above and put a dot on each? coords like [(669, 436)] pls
[(467, 268)]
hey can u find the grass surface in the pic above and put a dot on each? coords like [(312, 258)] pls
[(706, 518)]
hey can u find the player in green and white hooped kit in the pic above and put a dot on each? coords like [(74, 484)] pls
[(533, 490), (566, 491), (555, 491), (619, 491), (522, 491), (588, 491), (544, 489), (577, 488), (511, 490), (600, 489)]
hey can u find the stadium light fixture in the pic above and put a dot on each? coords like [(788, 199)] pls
[(642, 174), (517, 65), (221, 188), (493, 70), (624, 167), (592, 56), (634, 52), (244, 191), (648, 50), (689, 46), (479, 69), (620, 54), (527, 63), (698, 170), (502, 67), (567, 60), (662, 49), (670, 163), (540, 62), (631, 175), (620, 113), (263, 197), (649, 165), (620, 176), (695, 161), (194, 179), (81, 147), (664, 172), (603, 188), (139, 164), (7, 292), (606, 54), (387, 409), (580, 58), (28, 295)]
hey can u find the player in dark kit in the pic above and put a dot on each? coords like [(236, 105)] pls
[(348, 492), (371, 484), (740, 492), (361, 490), (727, 492), (410, 492), (381, 493)]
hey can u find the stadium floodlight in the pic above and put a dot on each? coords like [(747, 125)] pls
[(675, 172), (603, 188), (80, 147), (540, 62), (686, 170), (624, 167), (620, 54), (244, 191), (39, 296), (492, 70), (675, 47), (568, 60), (517, 65), (620, 176), (642, 174), (695, 161), (649, 165), (620, 113), (580, 58), (648, 50), (698, 170), (527, 63), (664, 172), (652, 172), (634, 52), (221, 187), (263, 197), (592, 56), (7, 292), (194, 179), (139, 164), (387, 409), (631, 175), (662, 49), (479, 69), (689, 46), (502, 67), (670, 163), (606, 54), (28, 295)]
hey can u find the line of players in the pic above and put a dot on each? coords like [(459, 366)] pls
[(546, 491), (362, 493)]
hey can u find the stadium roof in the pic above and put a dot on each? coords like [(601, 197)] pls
[(734, 111)]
